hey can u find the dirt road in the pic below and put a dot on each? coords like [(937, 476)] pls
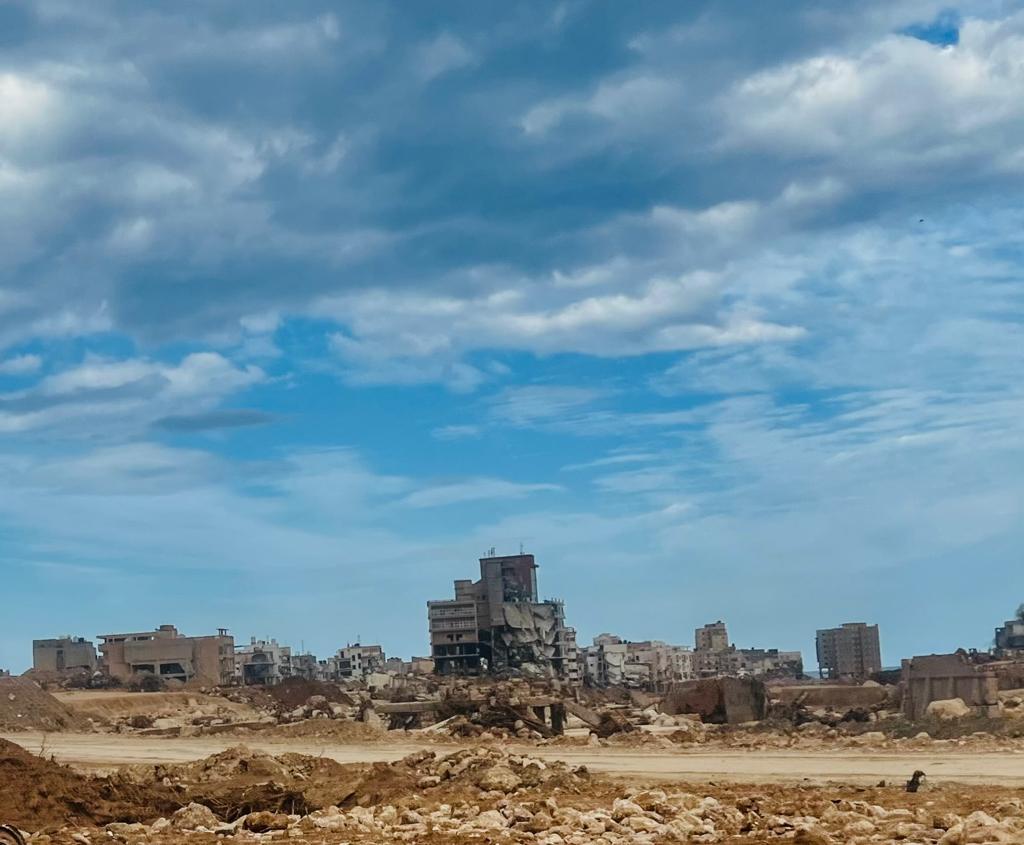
[(105, 751)]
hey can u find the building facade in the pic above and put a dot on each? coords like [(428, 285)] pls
[(712, 637), (1009, 639), (64, 654), (499, 624), (168, 655), (851, 651), (262, 663), (649, 664), (358, 661)]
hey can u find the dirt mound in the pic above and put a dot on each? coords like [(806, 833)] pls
[(294, 692), (26, 706), (39, 793)]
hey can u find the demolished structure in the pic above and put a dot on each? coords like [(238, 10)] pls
[(943, 677), (1009, 638), (498, 624), (650, 664), (715, 657), (262, 663), (168, 655)]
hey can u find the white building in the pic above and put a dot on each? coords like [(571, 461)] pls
[(262, 663)]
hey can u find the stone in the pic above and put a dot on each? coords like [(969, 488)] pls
[(194, 817), (490, 820), (623, 808), (264, 821), (812, 836), (948, 709), (499, 779)]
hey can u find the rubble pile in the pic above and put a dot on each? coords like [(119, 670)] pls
[(491, 795), (25, 706), (40, 793)]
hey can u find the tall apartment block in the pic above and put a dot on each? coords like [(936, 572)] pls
[(849, 651), (499, 624)]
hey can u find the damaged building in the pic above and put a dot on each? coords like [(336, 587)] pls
[(715, 657), (64, 654), (649, 664), (499, 624), (262, 663), (169, 655)]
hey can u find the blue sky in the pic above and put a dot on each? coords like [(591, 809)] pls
[(714, 307)]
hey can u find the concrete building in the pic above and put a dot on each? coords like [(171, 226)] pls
[(64, 654), (849, 651), (715, 657), (938, 677), (168, 655), (712, 637), (649, 664), (306, 666), (1010, 640), (498, 624), (262, 663), (358, 661)]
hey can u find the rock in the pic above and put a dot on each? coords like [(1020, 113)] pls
[(954, 836), (428, 781), (499, 779), (123, 829), (490, 820), (861, 827), (948, 709), (194, 817), (264, 821), (623, 808), (812, 836)]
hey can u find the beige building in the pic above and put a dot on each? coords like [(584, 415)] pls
[(849, 651), (712, 637), (168, 655), (64, 654)]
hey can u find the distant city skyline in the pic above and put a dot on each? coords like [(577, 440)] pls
[(713, 307)]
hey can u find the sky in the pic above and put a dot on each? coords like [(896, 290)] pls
[(715, 307)]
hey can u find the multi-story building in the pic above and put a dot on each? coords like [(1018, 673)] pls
[(650, 664), (64, 654), (358, 661), (306, 666), (849, 651), (712, 637), (168, 655), (499, 624), (262, 663), (1010, 639)]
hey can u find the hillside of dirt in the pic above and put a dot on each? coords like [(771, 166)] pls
[(475, 795), (37, 793), (26, 706)]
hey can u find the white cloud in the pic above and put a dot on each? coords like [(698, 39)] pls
[(456, 432), (894, 109), (473, 490), (20, 365), (444, 54), (115, 394)]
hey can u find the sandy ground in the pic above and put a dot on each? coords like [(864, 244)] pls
[(106, 751)]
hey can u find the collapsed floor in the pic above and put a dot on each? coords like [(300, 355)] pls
[(471, 795)]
